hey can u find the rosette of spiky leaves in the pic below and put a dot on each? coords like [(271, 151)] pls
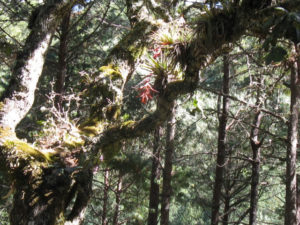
[(159, 66), (174, 39)]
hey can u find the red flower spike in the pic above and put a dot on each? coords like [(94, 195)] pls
[(146, 92), (157, 52)]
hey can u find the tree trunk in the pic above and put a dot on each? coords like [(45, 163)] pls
[(155, 176), (226, 213), (118, 201), (228, 186), (105, 197), (298, 198), (255, 145), (167, 171), (62, 61), (43, 200), (291, 189), (19, 96), (42, 193), (216, 201)]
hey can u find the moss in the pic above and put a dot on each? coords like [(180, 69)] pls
[(11, 142), (129, 123), (112, 112), (1, 105), (137, 52), (133, 44), (26, 148), (112, 71), (91, 127), (6, 133), (73, 141)]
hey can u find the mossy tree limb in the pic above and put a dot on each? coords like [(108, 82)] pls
[(198, 56)]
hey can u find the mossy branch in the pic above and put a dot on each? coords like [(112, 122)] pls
[(198, 56)]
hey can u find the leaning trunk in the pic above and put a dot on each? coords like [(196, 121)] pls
[(19, 96)]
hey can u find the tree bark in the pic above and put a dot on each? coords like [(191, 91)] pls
[(19, 96), (42, 193), (105, 198), (255, 145), (229, 182), (291, 157), (298, 198), (62, 61), (221, 155), (118, 201), (167, 171), (226, 213), (155, 176)]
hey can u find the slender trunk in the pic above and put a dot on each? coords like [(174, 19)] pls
[(298, 198), (105, 197), (216, 201), (62, 61), (167, 171), (155, 176), (226, 213), (255, 145), (291, 189), (227, 191), (118, 201)]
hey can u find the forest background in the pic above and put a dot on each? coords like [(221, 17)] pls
[(149, 112)]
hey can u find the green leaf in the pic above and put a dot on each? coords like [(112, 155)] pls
[(195, 103), (276, 54)]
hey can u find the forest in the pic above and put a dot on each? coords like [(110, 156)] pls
[(149, 112)]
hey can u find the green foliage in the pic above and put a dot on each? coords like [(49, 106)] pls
[(277, 54)]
